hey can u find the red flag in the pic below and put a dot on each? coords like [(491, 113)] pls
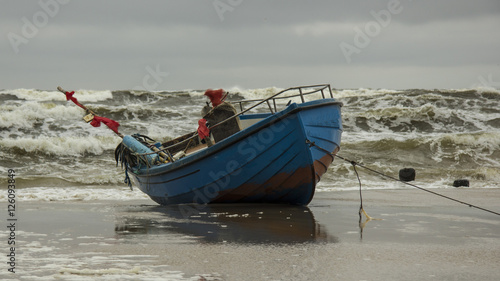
[(96, 120), (203, 131), (112, 124), (69, 96)]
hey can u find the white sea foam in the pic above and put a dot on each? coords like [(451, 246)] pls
[(484, 89), (251, 94), (76, 194), (27, 114), (38, 95), (62, 145), (362, 92), (476, 147), (247, 94), (369, 182), (195, 93)]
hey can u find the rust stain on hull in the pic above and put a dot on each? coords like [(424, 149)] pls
[(279, 183), (321, 165)]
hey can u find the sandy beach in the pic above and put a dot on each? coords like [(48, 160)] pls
[(413, 236)]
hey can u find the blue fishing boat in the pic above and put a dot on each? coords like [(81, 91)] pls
[(256, 154)]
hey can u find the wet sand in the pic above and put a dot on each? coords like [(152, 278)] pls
[(414, 236)]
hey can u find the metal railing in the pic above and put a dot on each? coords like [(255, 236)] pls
[(303, 91), (315, 89)]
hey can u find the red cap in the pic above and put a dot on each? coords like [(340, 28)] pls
[(215, 96)]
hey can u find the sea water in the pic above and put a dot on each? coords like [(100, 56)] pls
[(77, 220), (444, 135)]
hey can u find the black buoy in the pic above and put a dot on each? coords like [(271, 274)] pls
[(459, 183), (407, 174)]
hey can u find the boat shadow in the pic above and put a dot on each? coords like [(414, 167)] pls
[(225, 223)]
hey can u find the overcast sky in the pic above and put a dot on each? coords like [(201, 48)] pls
[(174, 45)]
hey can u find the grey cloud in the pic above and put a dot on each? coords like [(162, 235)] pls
[(108, 44)]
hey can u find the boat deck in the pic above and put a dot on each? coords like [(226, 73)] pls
[(197, 148)]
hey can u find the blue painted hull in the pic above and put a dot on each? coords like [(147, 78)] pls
[(268, 162)]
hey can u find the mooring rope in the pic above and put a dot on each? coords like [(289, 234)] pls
[(361, 209), (354, 163)]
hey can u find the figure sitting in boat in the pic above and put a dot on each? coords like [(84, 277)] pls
[(215, 114)]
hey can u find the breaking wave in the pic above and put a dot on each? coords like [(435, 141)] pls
[(59, 146), (444, 134)]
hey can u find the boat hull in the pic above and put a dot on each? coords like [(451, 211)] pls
[(271, 161)]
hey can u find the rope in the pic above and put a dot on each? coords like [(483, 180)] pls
[(361, 209), (360, 195), (354, 163)]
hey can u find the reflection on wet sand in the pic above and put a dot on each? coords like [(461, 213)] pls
[(232, 223)]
